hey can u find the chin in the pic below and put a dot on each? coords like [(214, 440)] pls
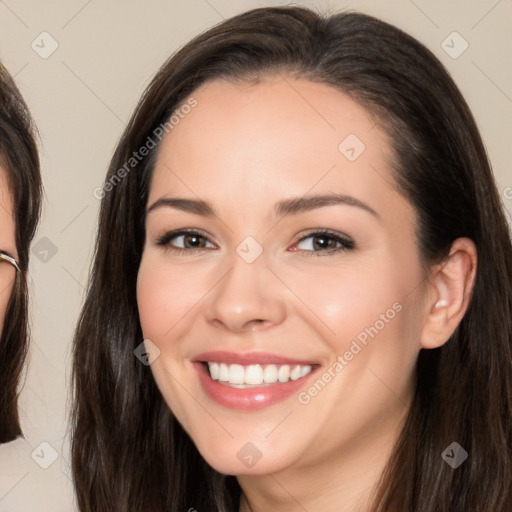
[(239, 457)]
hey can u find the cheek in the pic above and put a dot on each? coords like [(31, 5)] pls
[(367, 314), (344, 302), (168, 297), (160, 299), (164, 298)]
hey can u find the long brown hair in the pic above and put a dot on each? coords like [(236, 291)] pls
[(129, 452), (20, 160)]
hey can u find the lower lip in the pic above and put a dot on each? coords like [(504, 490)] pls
[(248, 399)]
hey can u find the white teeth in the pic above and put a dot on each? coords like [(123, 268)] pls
[(223, 372), (256, 374), (269, 374), (214, 370), (236, 374), (304, 370), (253, 374), (295, 373), (284, 373)]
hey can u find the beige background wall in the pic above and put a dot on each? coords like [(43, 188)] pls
[(82, 95)]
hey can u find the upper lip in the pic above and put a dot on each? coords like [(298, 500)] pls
[(248, 358)]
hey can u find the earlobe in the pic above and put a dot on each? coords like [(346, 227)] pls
[(451, 286)]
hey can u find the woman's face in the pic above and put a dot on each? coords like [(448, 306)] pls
[(323, 330), (7, 244)]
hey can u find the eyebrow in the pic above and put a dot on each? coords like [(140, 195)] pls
[(283, 208)]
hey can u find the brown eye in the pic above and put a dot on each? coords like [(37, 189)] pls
[(194, 240), (325, 243), (188, 240)]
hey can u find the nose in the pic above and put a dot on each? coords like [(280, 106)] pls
[(249, 297)]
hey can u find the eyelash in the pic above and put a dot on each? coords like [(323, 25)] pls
[(347, 243)]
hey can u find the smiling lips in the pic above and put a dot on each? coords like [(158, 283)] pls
[(256, 374), (250, 381)]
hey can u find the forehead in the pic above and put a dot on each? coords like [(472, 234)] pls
[(278, 138)]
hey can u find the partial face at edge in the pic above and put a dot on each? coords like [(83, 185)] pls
[(7, 244), (287, 291)]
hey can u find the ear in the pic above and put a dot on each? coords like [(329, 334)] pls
[(450, 286)]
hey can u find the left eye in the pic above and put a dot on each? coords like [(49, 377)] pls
[(325, 242)]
